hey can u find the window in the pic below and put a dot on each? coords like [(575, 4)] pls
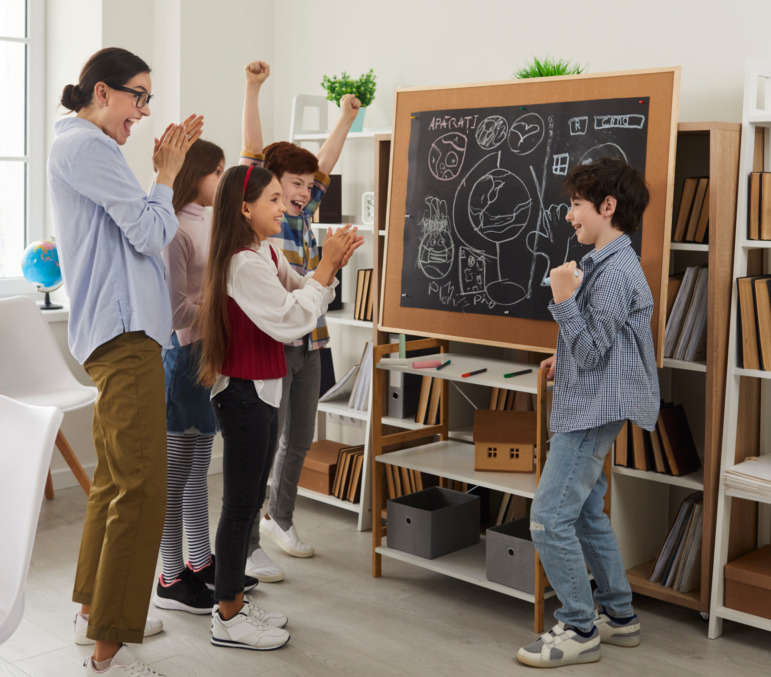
[(22, 132)]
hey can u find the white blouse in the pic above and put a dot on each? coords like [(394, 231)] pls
[(285, 306)]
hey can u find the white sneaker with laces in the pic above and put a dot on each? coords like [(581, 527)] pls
[(152, 627), (124, 664), (287, 540), (276, 619), (246, 631), (263, 568)]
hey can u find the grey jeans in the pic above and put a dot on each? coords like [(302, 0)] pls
[(297, 423)]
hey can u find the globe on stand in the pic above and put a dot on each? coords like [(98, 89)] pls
[(40, 265)]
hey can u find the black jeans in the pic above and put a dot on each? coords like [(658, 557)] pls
[(249, 428)]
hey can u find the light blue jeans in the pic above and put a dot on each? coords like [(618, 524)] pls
[(570, 529)]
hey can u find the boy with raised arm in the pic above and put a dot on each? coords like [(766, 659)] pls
[(304, 177), (605, 373)]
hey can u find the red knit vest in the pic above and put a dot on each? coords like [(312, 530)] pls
[(251, 354)]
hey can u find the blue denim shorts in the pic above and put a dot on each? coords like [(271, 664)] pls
[(188, 409)]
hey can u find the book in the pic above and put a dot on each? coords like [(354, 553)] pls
[(432, 418), (425, 391), (673, 286), (343, 387), (622, 445), (359, 298), (359, 397), (327, 380), (639, 454), (765, 206), (698, 203), (763, 315), (692, 343), (354, 489), (678, 559), (702, 226), (659, 460), (689, 573), (684, 212), (674, 535), (679, 310), (753, 206), (749, 355), (370, 304), (677, 441), (502, 509), (389, 477), (365, 294), (493, 403)]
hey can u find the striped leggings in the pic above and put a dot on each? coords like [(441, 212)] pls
[(187, 502)]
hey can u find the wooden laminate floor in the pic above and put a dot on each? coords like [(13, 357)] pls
[(344, 622)]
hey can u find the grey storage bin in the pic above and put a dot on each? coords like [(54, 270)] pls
[(510, 555), (433, 522)]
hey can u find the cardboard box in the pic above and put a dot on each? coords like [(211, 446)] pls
[(748, 583), (320, 465), (510, 555), (433, 522), (505, 440)]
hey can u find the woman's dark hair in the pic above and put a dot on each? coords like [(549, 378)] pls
[(202, 159), (614, 177), (230, 231), (109, 65)]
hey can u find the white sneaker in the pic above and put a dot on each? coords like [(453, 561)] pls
[(561, 646), (245, 631), (287, 540), (263, 568), (152, 627), (276, 619), (124, 663)]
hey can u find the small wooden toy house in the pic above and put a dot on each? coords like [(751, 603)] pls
[(504, 440)]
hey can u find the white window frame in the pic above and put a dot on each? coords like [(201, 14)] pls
[(35, 142)]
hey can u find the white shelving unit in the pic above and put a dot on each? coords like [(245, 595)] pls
[(453, 459), (347, 334), (756, 115)]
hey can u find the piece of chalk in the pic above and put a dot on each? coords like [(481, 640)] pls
[(547, 280), (402, 346), (427, 364)]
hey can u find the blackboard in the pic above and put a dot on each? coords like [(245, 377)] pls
[(476, 214)]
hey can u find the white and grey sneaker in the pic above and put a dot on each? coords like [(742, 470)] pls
[(152, 627), (246, 631), (618, 634), (263, 568), (287, 540), (124, 664), (562, 645)]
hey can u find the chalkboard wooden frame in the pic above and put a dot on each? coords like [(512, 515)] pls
[(660, 86)]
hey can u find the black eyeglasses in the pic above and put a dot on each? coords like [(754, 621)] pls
[(142, 98)]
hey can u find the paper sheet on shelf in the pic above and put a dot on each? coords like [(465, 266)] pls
[(753, 475)]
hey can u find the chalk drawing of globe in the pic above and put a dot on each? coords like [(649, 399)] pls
[(499, 205), (445, 158)]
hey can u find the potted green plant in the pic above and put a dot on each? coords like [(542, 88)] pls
[(548, 67), (363, 88)]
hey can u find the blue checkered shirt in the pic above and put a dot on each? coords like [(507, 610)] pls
[(606, 365)]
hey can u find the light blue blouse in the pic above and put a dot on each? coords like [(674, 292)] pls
[(110, 235)]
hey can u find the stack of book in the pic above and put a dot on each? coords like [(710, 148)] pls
[(754, 322), (686, 329), (362, 307), (759, 206), (751, 476), (668, 449), (693, 215), (401, 481), (429, 399), (347, 484), (502, 399), (355, 384), (678, 565)]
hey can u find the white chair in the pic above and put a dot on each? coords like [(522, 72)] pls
[(28, 434), (33, 371)]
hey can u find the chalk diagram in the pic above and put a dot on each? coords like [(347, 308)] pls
[(489, 226), (445, 158)]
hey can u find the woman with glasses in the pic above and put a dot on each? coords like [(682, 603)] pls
[(110, 237)]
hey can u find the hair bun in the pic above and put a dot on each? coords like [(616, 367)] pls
[(72, 98)]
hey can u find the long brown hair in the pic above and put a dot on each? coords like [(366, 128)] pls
[(230, 231), (202, 159)]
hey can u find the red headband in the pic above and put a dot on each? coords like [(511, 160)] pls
[(246, 179)]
